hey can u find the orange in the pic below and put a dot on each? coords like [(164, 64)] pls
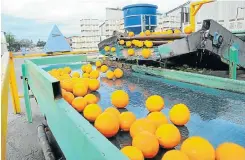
[(168, 135), (148, 44), (175, 155), (132, 153), (130, 52), (154, 103), (126, 119), (113, 49), (113, 110), (79, 103), (169, 31), (88, 68), (63, 92), (147, 32), (147, 143), (146, 53), (83, 68), (94, 74), (198, 148), (67, 85), (68, 96), (93, 84), (230, 151), (121, 42), (106, 124), (119, 99), (142, 125), (107, 48), (142, 34), (104, 68), (76, 74), (80, 89), (91, 112), (128, 43), (188, 30), (67, 70), (85, 75), (60, 70), (157, 118), (130, 34), (110, 74), (91, 99), (74, 80), (98, 63), (140, 44), (118, 73), (179, 114), (177, 31)]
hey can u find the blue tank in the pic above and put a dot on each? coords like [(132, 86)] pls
[(140, 17)]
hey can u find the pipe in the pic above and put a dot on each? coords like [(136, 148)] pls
[(43, 140), (166, 36)]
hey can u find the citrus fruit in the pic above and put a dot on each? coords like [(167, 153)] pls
[(85, 75), (154, 103), (128, 43), (93, 84), (132, 153), (130, 52), (91, 112), (98, 63), (188, 30), (157, 118), (113, 110), (67, 85), (104, 68), (121, 42), (126, 119), (118, 73), (107, 48), (75, 74), (130, 34), (177, 31), (94, 74), (175, 155), (113, 49), (106, 124), (68, 96), (91, 99), (119, 99), (79, 103), (147, 143), (169, 31), (63, 92), (146, 53), (142, 34), (148, 44), (140, 44), (168, 135), (110, 74), (83, 68), (230, 151), (80, 89), (179, 114), (147, 32), (88, 68), (67, 70), (142, 125), (198, 148)]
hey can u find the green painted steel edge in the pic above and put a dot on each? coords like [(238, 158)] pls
[(59, 59), (194, 78)]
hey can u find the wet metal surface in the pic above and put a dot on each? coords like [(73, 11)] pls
[(215, 114)]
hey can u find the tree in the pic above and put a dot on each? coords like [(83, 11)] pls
[(40, 43), (25, 43), (12, 44)]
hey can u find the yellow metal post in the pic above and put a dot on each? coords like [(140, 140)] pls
[(13, 86)]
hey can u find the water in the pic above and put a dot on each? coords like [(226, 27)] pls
[(216, 115)]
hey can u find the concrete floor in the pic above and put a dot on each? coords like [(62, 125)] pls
[(22, 141)]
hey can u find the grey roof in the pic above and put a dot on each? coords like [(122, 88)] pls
[(172, 10)]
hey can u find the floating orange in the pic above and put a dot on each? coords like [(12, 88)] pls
[(76, 74), (107, 48), (91, 112), (83, 68), (132, 153), (104, 68), (147, 143), (146, 53), (128, 43), (89, 68), (141, 125), (79, 103), (119, 99), (121, 42), (113, 110), (175, 155), (68, 96), (198, 148), (106, 124), (94, 74), (94, 84), (110, 74), (168, 136), (113, 49), (67, 70), (118, 73), (126, 119), (230, 151), (80, 89), (154, 103), (98, 63), (158, 118), (130, 52), (179, 114), (91, 99)]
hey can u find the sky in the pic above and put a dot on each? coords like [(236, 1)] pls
[(34, 19)]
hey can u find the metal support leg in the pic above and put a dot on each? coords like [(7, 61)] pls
[(233, 61), (13, 86), (26, 94)]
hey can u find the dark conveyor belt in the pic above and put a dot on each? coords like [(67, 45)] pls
[(216, 115)]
